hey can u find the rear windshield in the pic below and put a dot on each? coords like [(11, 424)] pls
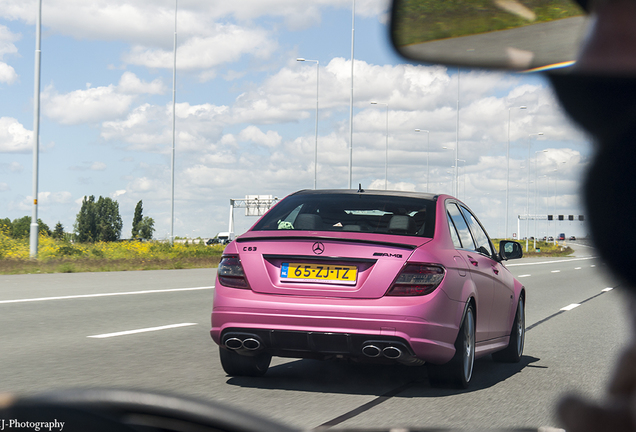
[(365, 213)]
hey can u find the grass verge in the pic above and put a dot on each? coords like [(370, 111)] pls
[(59, 256)]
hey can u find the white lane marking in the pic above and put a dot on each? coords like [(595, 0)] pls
[(607, 289), (555, 271), (593, 266), (551, 262), (570, 307), (522, 276), (102, 295), (577, 268), (149, 329)]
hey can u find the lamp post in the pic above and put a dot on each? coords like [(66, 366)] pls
[(457, 139), (386, 155), (508, 167), (428, 147), (547, 204), (528, 192), (317, 90), (536, 188), (456, 167), (353, 22), (453, 179), (174, 100), (556, 179), (34, 229)]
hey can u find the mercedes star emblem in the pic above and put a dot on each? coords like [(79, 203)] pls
[(318, 248)]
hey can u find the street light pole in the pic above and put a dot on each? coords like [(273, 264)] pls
[(428, 147), (528, 193), (556, 179), (317, 90), (353, 21), (508, 168), (457, 140), (174, 98), (452, 192), (464, 179), (386, 156), (34, 230), (536, 188)]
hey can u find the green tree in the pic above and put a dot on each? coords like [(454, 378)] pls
[(85, 221), (146, 228), (137, 220), (58, 232), (21, 228), (109, 223), (98, 220)]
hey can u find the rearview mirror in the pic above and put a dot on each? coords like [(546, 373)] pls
[(510, 250), (500, 34)]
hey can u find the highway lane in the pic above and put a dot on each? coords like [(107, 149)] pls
[(46, 344)]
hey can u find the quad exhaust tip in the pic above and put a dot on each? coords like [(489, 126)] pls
[(392, 352), (251, 344), (371, 351), (236, 343), (389, 352)]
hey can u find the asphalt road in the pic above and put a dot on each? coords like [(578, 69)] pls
[(49, 324), (525, 47)]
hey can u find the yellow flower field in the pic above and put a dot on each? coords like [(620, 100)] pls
[(64, 256)]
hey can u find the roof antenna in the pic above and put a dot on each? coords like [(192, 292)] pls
[(360, 188)]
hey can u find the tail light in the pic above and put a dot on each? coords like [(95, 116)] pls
[(417, 280), (230, 272)]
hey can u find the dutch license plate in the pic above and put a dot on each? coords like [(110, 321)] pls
[(318, 273)]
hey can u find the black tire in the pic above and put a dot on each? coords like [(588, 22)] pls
[(237, 365), (459, 370), (513, 352)]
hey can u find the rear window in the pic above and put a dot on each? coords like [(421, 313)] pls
[(366, 213)]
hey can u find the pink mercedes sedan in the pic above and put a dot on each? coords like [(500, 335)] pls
[(370, 276)]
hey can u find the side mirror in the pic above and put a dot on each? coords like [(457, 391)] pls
[(500, 34), (510, 250)]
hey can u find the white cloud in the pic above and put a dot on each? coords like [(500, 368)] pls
[(46, 199), (118, 193), (4, 187), (130, 84), (255, 135), (14, 138), (6, 41), (227, 44), (95, 104), (98, 166), (144, 184), (84, 106), (196, 126), (7, 73)]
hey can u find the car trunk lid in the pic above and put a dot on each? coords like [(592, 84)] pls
[(317, 265)]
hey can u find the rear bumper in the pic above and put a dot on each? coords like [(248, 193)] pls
[(421, 328)]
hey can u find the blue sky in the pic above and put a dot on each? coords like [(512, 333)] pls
[(245, 113)]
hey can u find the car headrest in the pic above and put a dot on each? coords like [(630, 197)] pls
[(306, 221), (402, 224)]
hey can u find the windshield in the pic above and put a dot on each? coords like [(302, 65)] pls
[(365, 212)]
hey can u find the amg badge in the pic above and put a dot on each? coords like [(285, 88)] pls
[(384, 254)]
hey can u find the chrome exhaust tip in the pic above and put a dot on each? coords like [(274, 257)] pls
[(233, 343), (392, 352), (371, 351), (251, 344)]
